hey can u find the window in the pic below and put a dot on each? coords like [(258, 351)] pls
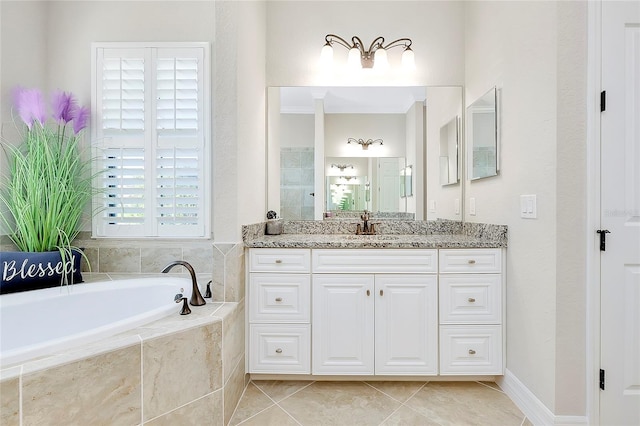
[(151, 133)]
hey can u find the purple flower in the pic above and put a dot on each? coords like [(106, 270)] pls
[(64, 106), (80, 119), (30, 106)]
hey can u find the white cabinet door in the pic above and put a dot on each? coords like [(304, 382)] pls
[(343, 324), (406, 322)]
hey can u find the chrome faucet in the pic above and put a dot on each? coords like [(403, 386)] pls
[(196, 297)]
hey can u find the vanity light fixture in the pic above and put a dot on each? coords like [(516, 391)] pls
[(341, 166), (374, 57), (365, 144)]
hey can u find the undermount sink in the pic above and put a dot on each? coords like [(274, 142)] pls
[(374, 236)]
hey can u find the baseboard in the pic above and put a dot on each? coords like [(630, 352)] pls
[(532, 407)]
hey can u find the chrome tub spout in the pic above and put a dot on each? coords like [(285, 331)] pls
[(196, 297)]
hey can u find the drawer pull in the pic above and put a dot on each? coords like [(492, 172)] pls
[(471, 261), (471, 300), (278, 299), (278, 351), (278, 260), (381, 292), (472, 352), (368, 293)]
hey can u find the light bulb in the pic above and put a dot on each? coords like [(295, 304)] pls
[(326, 55), (354, 58), (408, 59), (380, 60)]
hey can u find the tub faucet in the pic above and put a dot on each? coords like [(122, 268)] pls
[(196, 297)]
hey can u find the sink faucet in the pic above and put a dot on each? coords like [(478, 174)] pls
[(196, 297), (365, 229)]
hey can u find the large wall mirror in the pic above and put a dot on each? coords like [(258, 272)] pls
[(482, 136), (354, 148)]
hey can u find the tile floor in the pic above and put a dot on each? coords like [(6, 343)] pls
[(309, 403)]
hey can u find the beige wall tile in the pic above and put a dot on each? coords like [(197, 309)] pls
[(181, 367), (100, 390), (92, 256), (219, 251), (200, 257), (155, 259), (234, 274), (233, 339), (113, 259), (10, 402), (207, 410), (233, 390)]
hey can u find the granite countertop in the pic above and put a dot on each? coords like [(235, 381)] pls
[(350, 241)]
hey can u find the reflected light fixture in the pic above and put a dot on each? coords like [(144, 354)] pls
[(363, 143), (341, 166), (373, 57)]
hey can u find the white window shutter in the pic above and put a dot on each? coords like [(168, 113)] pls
[(151, 139)]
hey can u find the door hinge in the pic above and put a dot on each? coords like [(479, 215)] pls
[(603, 100), (601, 379), (603, 238)]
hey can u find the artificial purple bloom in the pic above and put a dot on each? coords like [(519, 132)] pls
[(81, 119), (64, 106), (30, 106)]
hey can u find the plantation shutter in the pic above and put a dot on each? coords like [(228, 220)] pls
[(150, 139)]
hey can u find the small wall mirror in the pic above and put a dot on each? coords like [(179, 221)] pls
[(482, 136), (449, 145)]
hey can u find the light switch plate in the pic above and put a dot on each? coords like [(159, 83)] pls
[(472, 206), (528, 207), (456, 206), (432, 206)]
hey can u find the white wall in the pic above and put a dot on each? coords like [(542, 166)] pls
[(520, 48), (47, 44), (297, 130), (443, 104), (388, 127), (296, 31)]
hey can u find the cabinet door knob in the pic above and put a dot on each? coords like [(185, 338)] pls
[(471, 299), (278, 351), (368, 293), (471, 261), (278, 260), (381, 292), (278, 299), (472, 352)]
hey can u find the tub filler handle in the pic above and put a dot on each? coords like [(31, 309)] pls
[(196, 297), (185, 306)]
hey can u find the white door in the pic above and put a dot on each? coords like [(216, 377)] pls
[(342, 331), (406, 335), (620, 203)]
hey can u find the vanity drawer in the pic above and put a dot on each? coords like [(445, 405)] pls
[(375, 261), (280, 297), (471, 261), (470, 350), (280, 349), (279, 260), (471, 299)]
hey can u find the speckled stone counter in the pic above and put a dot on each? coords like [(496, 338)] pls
[(394, 234)]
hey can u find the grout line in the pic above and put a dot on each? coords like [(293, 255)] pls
[(289, 396), (141, 379), (184, 405), (244, 391), (491, 387), (523, 420)]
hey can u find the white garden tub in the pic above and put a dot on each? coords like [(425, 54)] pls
[(44, 322)]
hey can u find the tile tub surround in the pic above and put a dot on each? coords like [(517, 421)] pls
[(273, 402), (394, 234), (176, 367)]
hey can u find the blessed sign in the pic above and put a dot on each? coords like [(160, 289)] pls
[(21, 271)]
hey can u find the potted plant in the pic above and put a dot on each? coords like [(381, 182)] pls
[(45, 193)]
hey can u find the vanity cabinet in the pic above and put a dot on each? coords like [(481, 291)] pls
[(280, 311), (411, 312), (471, 311), (367, 324)]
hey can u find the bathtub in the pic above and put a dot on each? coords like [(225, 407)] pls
[(44, 322)]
